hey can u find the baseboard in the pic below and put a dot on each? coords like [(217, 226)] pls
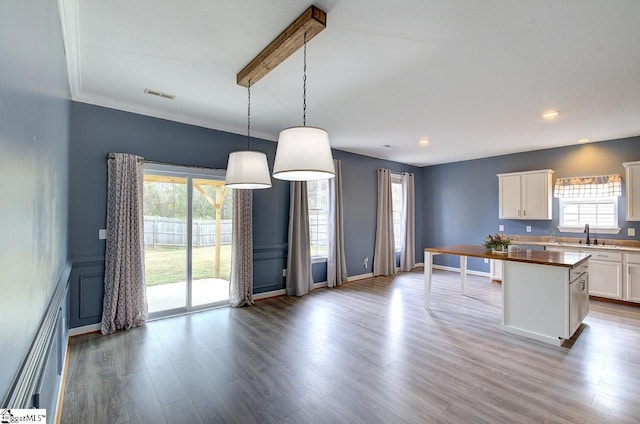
[(269, 294), (360, 277), (283, 292), (454, 269), (63, 382), (92, 328)]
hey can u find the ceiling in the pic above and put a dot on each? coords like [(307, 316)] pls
[(474, 76)]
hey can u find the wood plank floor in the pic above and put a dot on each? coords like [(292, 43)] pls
[(366, 352)]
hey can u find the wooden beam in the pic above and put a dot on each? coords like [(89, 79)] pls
[(312, 21)]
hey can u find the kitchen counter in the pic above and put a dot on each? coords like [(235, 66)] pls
[(613, 246), (544, 293), (540, 257)]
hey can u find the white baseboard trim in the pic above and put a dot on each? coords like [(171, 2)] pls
[(63, 381), (469, 271), (283, 292), (92, 328), (419, 264), (360, 277), (269, 294)]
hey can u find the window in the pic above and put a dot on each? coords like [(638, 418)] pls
[(396, 198), (318, 196), (599, 213), (589, 200)]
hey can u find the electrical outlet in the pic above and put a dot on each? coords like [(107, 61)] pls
[(486, 261), (284, 272), (631, 232), (500, 227), (102, 234), (528, 228), (366, 262)]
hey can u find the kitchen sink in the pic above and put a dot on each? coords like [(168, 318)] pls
[(589, 246)]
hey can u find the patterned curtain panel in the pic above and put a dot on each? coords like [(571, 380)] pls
[(241, 285), (125, 299), (408, 236), (384, 255), (299, 278), (336, 260), (588, 187)]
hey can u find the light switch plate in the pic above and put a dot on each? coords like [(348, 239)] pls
[(631, 232), (500, 227), (486, 261), (284, 272), (528, 228), (102, 234)]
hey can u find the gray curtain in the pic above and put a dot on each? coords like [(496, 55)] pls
[(125, 299), (299, 279), (384, 256), (336, 261), (241, 284), (408, 235)]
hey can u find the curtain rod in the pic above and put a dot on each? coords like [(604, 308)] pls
[(140, 159)]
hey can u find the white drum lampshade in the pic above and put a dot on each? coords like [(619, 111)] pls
[(247, 169), (303, 154)]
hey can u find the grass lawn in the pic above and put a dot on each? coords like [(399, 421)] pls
[(169, 264)]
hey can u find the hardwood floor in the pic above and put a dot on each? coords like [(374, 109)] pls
[(366, 352)]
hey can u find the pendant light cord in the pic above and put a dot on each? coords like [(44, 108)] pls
[(304, 84), (249, 115)]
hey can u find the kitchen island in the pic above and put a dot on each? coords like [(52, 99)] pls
[(545, 295)]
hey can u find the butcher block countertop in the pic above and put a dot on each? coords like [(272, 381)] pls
[(540, 257)]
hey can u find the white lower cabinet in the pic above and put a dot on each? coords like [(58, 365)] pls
[(612, 274), (578, 301), (496, 270), (633, 277), (606, 278)]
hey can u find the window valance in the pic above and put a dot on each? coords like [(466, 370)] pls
[(588, 187)]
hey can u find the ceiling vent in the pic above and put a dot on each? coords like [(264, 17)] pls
[(160, 94)]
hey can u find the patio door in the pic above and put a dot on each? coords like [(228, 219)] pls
[(187, 229)]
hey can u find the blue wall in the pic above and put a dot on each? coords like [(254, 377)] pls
[(359, 181), (462, 197), (34, 146), (96, 131)]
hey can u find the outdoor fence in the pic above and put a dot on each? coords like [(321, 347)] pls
[(172, 232), (159, 231)]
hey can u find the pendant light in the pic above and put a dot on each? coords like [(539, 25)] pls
[(303, 153), (248, 169)]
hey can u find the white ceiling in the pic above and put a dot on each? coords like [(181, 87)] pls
[(474, 76)]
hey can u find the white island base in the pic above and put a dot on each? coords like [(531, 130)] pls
[(544, 302), (545, 295)]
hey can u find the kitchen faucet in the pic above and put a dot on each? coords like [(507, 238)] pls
[(586, 230)]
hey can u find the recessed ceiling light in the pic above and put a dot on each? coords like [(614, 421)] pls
[(550, 114), (424, 141), (583, 140)]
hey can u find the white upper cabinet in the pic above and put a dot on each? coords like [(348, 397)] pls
[(633, 190), (525, 195)]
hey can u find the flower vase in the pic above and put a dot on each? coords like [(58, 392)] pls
[(499, 250)]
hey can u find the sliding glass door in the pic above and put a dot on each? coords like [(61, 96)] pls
[(187, 225), (211, 234)]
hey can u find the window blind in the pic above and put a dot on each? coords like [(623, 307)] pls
[(588, 187)]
